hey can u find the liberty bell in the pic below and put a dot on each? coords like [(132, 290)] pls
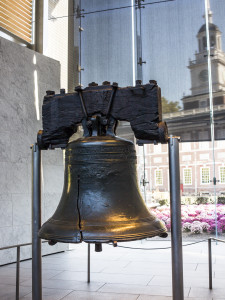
[(101, 201)]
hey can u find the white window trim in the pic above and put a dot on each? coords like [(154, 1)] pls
[(184, 176), (220, 175), (203, 183), (156, 184)]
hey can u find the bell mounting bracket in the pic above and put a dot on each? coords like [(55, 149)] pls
[(98, 109)]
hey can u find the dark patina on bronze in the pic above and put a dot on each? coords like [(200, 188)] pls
[(101, 202)]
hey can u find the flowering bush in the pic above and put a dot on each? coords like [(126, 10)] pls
[(186, 226), (196, 218), (196, 227), (205, 226)]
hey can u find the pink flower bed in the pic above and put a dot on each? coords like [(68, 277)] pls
[(195, 218)]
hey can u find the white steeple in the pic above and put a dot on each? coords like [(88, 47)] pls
[(207, 2)]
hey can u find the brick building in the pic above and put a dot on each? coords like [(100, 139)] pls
[(200, 159)]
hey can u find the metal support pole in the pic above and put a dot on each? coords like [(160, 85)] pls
[(175, 210), (210, 262), (17, 273), (88, 264), (36, 224)]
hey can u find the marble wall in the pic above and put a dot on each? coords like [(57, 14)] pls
[(25, 76)]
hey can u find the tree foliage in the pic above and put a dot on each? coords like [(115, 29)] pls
[(169, 106)]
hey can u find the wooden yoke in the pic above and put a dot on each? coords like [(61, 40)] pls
[(139, 105)]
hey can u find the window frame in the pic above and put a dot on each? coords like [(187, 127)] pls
[(161, 171), (221, 182), (201, 169), (184, 169)]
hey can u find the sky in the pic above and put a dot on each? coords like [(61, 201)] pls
[(168, 42), (173, 42)]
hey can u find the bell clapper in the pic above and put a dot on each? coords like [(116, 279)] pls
[(114, 243), (52, 243), (98, 247)]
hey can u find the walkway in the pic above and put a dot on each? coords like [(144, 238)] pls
[(120, 274)]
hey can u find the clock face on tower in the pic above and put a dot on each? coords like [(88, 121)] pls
[(203, 75)]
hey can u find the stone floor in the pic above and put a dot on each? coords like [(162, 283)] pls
[(120, 273)]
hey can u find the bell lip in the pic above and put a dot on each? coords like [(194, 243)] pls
[(75, 237), (124, 238), (87, 234), (73, 240), (96, 239)]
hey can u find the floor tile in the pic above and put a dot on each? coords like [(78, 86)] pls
[(206, 293), (50, 294), (120, 273), (99, 296), (8, 292), (10, 280), (138, 289), (194, 281), (67, 285), (26, 273), (105, 277), (146, 297)]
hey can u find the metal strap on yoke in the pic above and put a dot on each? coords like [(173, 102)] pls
[(83, 104), (113, 93)]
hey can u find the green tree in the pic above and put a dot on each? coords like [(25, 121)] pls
[(169, 106)]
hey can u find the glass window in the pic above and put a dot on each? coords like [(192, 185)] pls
[(158, 177), (204, 156), (220, 144), (186, 157), (186, 146), (220, 133), (203, 104), (212, 41), (203, 135), (203, 145), (187, 176), (222, 174), (205, 174), (158, 148), (204, 42), (221, 155), (158, 160)]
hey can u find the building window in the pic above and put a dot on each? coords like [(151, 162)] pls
[(186, 136), (186, 157), (186, 146), (203, 135), (204, 156), (203, 104), (158, 160), (203, 145), (220, 144), (222, 174), (158, 148), (204, 43), (220, 133), (158, 177), (187, 176), (221, 155), (212, 41), (205, 175)]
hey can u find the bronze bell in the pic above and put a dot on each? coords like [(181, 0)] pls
[(101, 201)]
